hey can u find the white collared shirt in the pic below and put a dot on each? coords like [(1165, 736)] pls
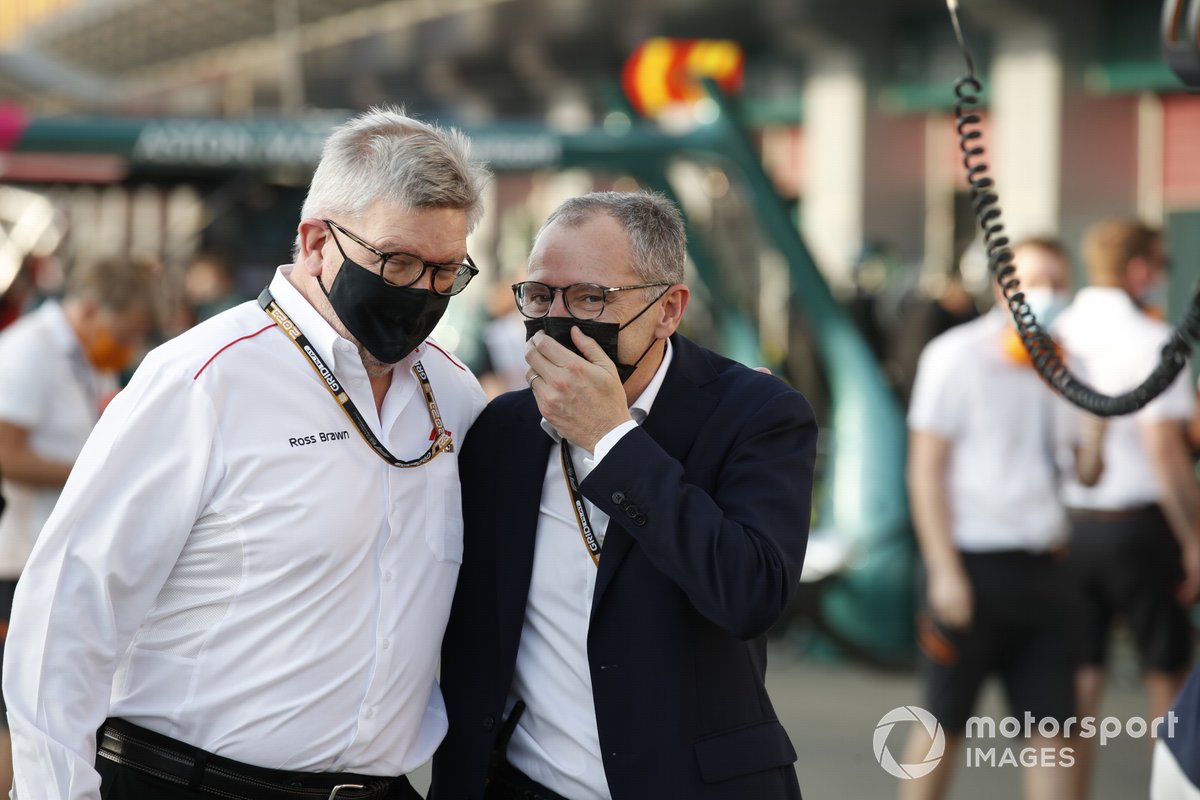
[(556, 742), (1005, 428), (54, 393), (235, 566), (1119, 345)]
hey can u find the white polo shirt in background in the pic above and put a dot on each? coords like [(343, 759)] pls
[(54, 393), (239, 570), (557, 742), (1118, 345), (1005, 427)]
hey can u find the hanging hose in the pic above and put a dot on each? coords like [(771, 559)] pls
[(1042, 352)]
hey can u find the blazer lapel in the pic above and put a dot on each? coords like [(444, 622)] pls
[(682, 405), (518, 497)]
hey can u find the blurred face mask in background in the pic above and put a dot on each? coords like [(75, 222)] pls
[(1046, 305), (106, 353)]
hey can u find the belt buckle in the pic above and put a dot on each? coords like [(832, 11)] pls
[(340, 786)]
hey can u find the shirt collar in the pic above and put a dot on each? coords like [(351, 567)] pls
[(998, 316), (331, 346), (641, 406), (61, 332)]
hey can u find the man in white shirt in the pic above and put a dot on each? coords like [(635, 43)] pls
[(984, 433), (634, 524), (1134, 539), (67, 356), (245, 583)]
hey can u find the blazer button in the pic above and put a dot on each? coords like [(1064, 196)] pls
[(489, 722), (640, 520), (618, 498), (632, 511)]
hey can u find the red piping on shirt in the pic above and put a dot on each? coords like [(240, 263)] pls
[(447, 355), (231, 344)]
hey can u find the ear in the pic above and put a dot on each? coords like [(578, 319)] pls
[(313, 235), (674, 303)]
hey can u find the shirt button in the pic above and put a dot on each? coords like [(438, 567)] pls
[(386, 644), (387, 576), (370, 712)]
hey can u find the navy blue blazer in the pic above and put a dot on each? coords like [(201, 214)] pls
[(709, 503)]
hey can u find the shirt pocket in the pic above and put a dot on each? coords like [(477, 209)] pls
[(443, 510)]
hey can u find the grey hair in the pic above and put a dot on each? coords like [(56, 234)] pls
[(385, 155), (655, 227)]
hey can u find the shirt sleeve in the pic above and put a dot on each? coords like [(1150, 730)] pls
[(936, 405), (23, 402), (123, 518), (610, 439), (1176, 403), (1179, 399)]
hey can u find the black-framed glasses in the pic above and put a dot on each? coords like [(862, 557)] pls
[(582, 300), (404, 269)]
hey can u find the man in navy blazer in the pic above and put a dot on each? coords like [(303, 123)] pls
[(635, 522)]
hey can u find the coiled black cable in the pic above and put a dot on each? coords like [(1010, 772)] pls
[(1042, 351)]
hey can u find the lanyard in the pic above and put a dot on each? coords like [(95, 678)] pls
[(442, 441), (581, 515)]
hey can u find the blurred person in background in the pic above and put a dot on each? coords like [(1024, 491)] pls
[(63, 359), (503, 366), (243, 589), (634, 523), (983, 475), (209, 286), (1134, 547), (920, 318)]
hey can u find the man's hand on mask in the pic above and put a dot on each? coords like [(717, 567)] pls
[(581, 397)]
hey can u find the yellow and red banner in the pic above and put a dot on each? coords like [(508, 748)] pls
[(664, 72)]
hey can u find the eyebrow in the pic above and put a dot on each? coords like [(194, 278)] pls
[(400, 251)]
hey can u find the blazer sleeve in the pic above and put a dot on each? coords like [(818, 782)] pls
[(736, 549)]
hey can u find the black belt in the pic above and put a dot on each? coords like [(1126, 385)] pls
[(1114, 514), (146, 751)]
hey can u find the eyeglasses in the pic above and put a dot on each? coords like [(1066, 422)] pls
[(405, 269), (583, 301)]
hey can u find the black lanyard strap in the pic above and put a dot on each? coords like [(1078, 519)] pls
[(442, 443), (581, 516)]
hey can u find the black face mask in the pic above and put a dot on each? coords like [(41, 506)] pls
[(390, 321), (606, 335)]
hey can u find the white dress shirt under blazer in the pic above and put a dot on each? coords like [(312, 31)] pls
[(231, 565), (557, 742)]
